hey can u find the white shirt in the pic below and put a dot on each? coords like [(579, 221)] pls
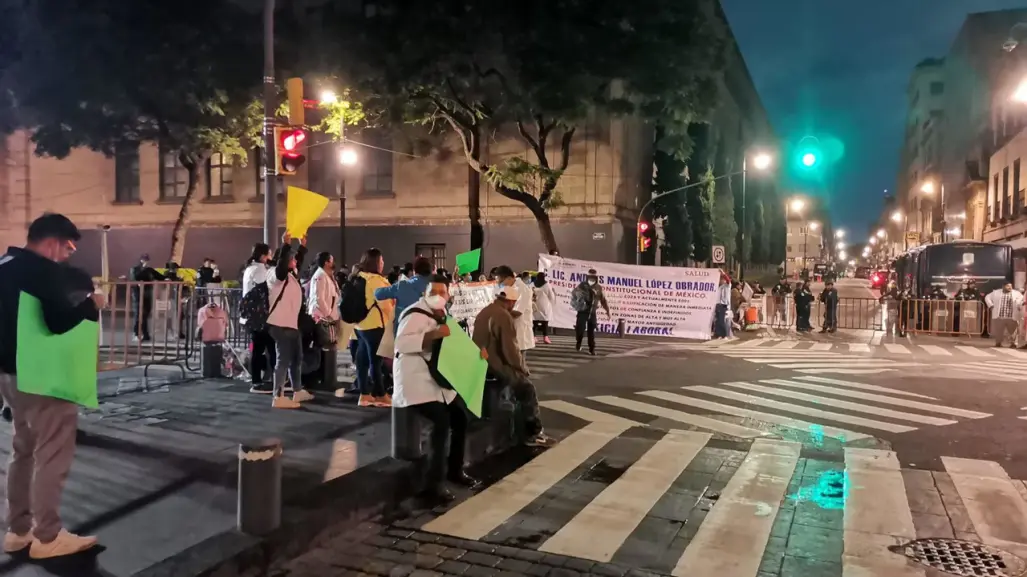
[(544, 298), (254, 274), (412, 381), (525, 333), (323, 300), (994, 300)]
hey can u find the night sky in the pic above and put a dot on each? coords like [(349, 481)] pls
[(840, 69)]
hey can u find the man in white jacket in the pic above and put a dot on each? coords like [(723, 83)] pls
[(1006, 307), (522, 309), (323, 307)]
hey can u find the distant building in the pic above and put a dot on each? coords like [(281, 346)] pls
[(925, 93)]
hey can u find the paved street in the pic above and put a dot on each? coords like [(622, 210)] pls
[(764, 457)]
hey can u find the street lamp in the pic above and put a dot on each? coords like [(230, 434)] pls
[(1020, 94), (881, 233), (873, 240), (329, 97), (797, 205), (839, 233), (841, 255), (928, 187), (814, 225), (348, 157), (761, 161)]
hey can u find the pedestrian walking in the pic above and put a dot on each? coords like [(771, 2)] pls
[(586, 298), (44, 427), (1006, 307), (544, 297)]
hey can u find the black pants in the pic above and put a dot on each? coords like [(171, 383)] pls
[(542, 327), (802, 318), (586, 322), (449, 422), (830, 319), (525, 394), (141, 318), (262, 357)]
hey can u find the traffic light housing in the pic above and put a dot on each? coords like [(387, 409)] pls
[(645, 240), (289, 149)]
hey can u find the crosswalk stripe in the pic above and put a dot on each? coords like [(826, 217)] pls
[(475, 517), (987, 369), (681, 417), (799, 425), (587, 414), (876, 513), (954, 411), (1012, 352), (607, 521), (803, 410), (864, 387), (866, 363), (997, 510), (935, 350), (849, 406), (844, 371), (972, 351), (859, 348), (726, 548), (897, 348), (786, 345), (876, 339), (821, 347)]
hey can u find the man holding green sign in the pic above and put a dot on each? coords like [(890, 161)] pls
[(48, 352), (437, 372)]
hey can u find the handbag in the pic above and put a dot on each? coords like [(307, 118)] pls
[(326, 334)]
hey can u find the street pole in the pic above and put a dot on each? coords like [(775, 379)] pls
[(944, 224), (805, 240), (341, 189), (270, 170), (741, 264)]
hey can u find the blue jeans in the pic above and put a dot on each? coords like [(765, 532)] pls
[(369, 364), (289, 362), (721, 324)]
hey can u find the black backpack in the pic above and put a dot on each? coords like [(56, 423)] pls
[(353, 305), (253, 306)]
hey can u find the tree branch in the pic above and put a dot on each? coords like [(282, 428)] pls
[(565, 147), (530, 140), (533, 204)]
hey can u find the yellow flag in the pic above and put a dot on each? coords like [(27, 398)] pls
[(302, 209)]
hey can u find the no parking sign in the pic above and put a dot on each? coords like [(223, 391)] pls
[(719, 255)]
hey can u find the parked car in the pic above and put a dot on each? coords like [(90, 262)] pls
[(862, 272), (879, 279)]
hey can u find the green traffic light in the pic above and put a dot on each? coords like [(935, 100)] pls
[(809, 159)]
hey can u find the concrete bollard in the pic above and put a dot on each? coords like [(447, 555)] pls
[(259, 503), (621, 328), (211, 360), (406, 434)]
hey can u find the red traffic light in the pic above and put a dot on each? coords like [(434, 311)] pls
[(646, 243), (643, 227), (292, 140)]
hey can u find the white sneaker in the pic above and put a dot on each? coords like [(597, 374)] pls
[(14, 542), (302, 396), (284, 403), (287, 388), (65, 544)]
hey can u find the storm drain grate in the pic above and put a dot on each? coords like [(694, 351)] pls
[(964, 558)]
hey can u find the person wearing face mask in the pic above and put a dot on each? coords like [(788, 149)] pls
[(285, 296), (420, 325), (1006, 307), (44, 427), (262, 346), (544, 297), (505, 277), (586, 298)]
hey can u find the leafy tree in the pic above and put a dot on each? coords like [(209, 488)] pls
[(677, 229), (700, 205), (107, 74), (725, 228), (476, 67), (760, 234)]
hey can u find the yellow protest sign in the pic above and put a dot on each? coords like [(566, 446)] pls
[(302, 209)]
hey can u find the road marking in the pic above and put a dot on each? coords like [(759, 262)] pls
[(997, 510), (865, 363), (587, 414), (936, 350), (849, 406), (897, 348), (786, 345), (681, 417), (864, 387), (804, 426), (843, 371), (972, 351), (608, 520), (803, 410), (1011, 352), (724, 546), (859, 348), (477, 516), (954, 411), (876, 339), (821, 347), (876, 515)]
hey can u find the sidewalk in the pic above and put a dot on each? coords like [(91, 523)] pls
[(155, 473)]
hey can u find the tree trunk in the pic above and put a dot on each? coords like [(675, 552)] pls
[(545, 229), (474, 204), (184, 213)]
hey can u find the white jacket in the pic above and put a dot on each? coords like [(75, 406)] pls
[(254, 274), (413, 383), (994, 301), (544, 298), (525, 332), (323, 300)]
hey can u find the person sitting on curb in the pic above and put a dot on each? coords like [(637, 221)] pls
[(495, 332)]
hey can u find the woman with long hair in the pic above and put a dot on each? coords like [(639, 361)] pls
[(370, 331), (283, 324), (262, 346)]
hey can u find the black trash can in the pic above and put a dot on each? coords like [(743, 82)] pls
[(211, 360)]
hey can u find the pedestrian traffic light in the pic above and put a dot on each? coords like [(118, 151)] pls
[(644, 236), (289, 149)]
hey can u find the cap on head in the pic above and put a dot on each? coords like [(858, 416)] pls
[(508, 293)]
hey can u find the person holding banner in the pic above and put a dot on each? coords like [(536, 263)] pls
[(420, 325), (586, 299)]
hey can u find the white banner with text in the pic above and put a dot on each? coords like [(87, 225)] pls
[(467, 299), (652, 300)]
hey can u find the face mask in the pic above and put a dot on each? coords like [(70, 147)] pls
[(591, 282), (436, 302)]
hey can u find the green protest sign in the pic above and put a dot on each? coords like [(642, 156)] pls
[(58, 366), (468, 262), (460, 362)]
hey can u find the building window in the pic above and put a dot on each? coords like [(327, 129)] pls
[(937, 88), (436, 253), (126, 173), (219, 181), (995, 204), (788, 248), (1006, 196), (1016, 186), (377, 169), (174, 178)]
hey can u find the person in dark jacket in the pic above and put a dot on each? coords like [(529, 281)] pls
[(803, 303), (44, 427), (586, 300), (830, 299), (142, 300)]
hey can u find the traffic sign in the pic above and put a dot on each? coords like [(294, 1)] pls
[(719, 255)]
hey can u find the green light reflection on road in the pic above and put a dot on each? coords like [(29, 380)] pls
[(828, 491)]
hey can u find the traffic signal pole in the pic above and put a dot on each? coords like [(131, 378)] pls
[(270, 194)]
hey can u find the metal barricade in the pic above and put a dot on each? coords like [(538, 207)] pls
[(946, 317), (237, 336), (143, 325), (852, 313)]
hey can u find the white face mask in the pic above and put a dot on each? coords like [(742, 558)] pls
[(591, 282), (436, 302)]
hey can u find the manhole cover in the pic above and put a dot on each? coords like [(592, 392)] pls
[(962, 557)]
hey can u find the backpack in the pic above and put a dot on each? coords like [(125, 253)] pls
[(253, 307), (579, 300), (436, 346), (353, 306)]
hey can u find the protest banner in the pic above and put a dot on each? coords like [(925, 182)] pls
[(652, 300), (467, 299), (460, 362)]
